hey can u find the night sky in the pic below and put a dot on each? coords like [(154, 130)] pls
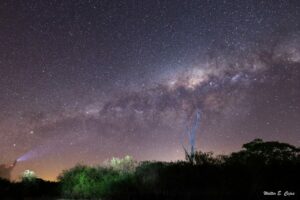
[(83, 81)]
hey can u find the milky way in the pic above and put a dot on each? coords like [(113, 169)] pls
[(83, 81)]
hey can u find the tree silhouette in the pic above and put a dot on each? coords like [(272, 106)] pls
[(260, 152), (259, 166)]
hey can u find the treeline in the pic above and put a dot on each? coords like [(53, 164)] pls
[(36, 188), (260, 166)]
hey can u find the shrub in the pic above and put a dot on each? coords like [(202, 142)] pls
[(94, 182)]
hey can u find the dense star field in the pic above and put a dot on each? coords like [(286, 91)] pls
[(83, 81)]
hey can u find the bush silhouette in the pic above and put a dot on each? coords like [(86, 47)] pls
[(259, 166)]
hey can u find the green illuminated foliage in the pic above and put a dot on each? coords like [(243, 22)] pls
[(28, 176), (96, 182)]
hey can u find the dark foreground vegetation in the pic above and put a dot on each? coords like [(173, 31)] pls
[(260, 166)]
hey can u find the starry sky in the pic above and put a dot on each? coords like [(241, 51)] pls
[(83, 81)]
